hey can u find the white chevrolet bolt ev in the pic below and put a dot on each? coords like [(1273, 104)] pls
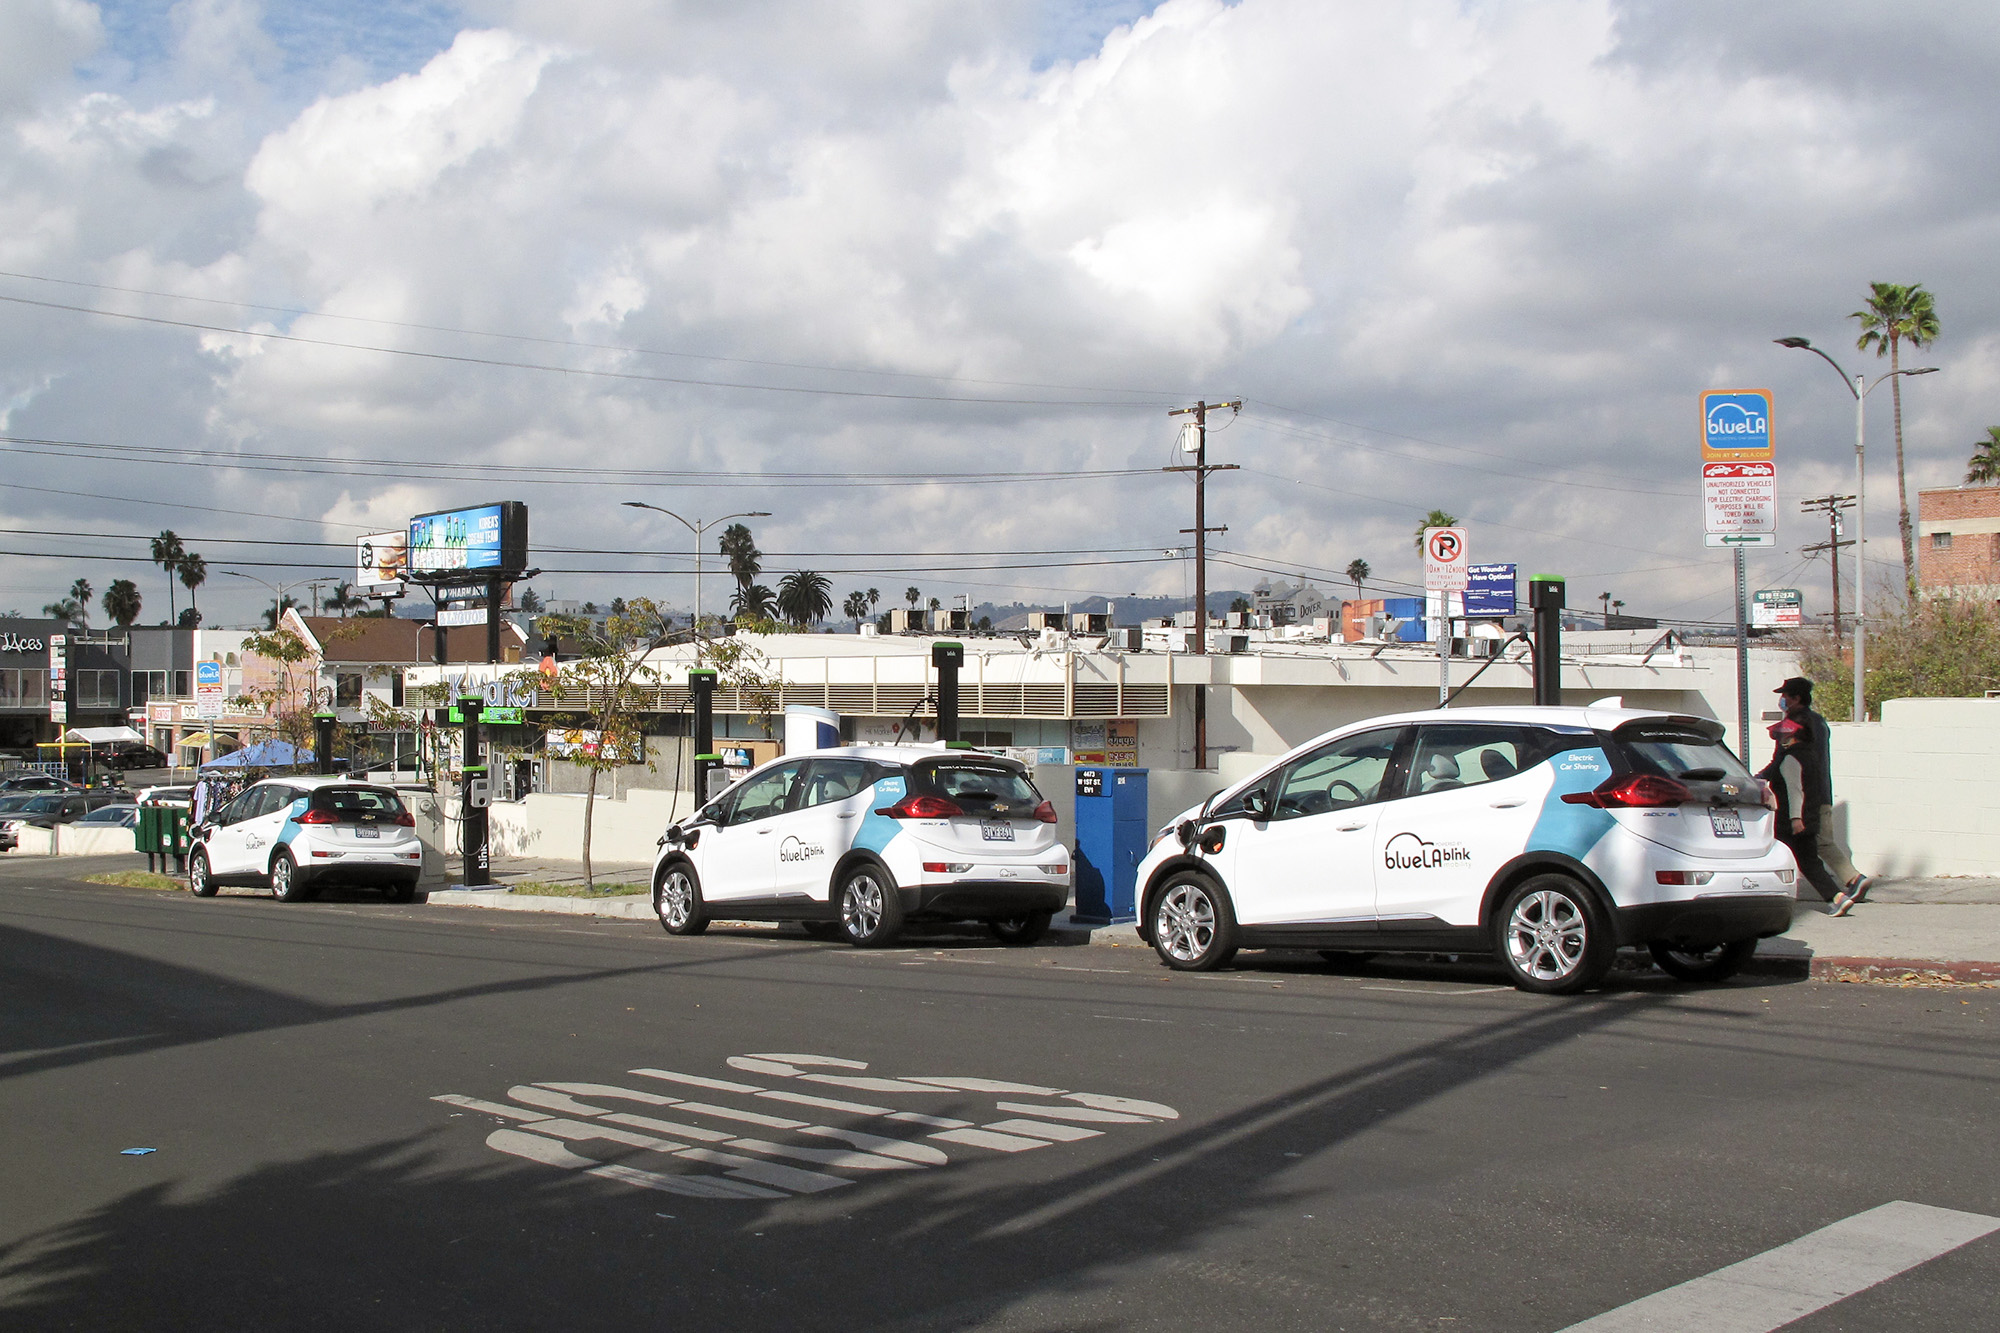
[(1547, 836), (854, 841), (294, 835)]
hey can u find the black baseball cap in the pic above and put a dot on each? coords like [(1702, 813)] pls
[(1798, 687)]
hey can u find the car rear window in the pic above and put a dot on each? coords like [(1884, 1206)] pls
[(1678, 752), (360, 805), (973, 785)]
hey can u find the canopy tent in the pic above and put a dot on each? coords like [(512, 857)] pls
[(198, 739), (103, 735), (264, 754)]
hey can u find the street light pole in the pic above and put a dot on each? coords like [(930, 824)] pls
[(697, 528), (1859, 386), (277, 593)]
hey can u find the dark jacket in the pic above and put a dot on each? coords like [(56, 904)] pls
[(1819, 759)]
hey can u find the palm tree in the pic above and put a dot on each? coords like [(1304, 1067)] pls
[(856, 606), (753, 601), (805, 598), (343, 599), (276, 611), (1357, 574), (1984, 467), (79, 592), (1437, 518), (66, 609), (912, 595), (739, 548), (168, 554), (1896, 315), (121, 602), (874, 598), (194, 573)]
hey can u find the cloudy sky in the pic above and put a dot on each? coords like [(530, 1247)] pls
[(923, 279)]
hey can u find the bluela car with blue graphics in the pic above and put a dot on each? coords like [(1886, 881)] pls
[(1547, 836), (297, 835), (853, 842)]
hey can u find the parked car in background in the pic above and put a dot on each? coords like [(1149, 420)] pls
[(123, 756), (37, 782), (111, 816), (293, 835), (855, 841), (48, 809), (1547, 836)]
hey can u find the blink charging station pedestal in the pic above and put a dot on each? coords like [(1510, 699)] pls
[(701, 731), (1545, 596), (947, 657), (1110, 843), (323, 741), (475, 795)]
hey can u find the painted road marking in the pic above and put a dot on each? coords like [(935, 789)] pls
[(1772, 1289), (550, 1122)]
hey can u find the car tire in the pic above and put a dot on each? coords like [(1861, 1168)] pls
[(200, 882), (1194, 924), (871, 909), (677, 901), (402, 891), (1552, 936), (1021, 931), (1716, 962), (286, 886)]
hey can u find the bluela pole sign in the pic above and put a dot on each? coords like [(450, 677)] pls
[(1736, 425), (1739, 503), (208, 690)]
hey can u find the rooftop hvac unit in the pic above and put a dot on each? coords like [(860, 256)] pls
[(1183, 620), (1089, 622), (905, 620), (1228, 643), (1041, 620), (1129, 638), (955, 621), (1236, 620)]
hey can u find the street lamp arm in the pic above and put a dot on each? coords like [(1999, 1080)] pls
[(641, 504), (1805, 345)]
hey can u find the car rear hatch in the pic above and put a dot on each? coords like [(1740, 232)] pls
[(361, 817), (1678, 785), (993, 811)]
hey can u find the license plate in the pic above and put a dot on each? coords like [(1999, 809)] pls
[(1726, 823), (998, 832), (368, 832)]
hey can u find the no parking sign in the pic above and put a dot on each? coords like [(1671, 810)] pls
[(1447, 560)]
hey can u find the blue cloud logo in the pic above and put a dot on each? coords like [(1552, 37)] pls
[(1738, 421)]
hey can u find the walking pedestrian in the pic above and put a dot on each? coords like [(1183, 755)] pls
[(1789, 776), (1796, 696)]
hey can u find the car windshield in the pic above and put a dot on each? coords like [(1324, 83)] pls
[(108, 814), (1672, 752), (982, 784), (14, 802)]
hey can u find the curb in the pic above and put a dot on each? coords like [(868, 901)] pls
[(1904, 969), (626, 907)]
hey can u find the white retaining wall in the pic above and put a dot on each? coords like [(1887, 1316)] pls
[(1918, 793)]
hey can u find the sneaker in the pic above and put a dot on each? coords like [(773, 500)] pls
[(1843, 904), (1858, 887)]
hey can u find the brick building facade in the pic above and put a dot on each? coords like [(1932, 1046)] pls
[(1958, 541)]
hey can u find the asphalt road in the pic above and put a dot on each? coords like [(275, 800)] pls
[(1276, 1147)]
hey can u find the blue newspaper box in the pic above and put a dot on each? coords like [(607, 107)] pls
[(1110, 842)]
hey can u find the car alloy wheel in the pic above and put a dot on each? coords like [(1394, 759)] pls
[(870, 912), (1194, 929), (678, 901), (285, 886), (200, 883), (1552, 938)]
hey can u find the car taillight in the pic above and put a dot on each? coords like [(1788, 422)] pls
[(1645, 791), (406, 819), (319, 817), (1046, 812), (922, 807), (1683, 876)]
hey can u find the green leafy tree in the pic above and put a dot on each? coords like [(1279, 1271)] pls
[(610, 681), (530, 601), (1357, 574), (1984, 467), (1437, 518), (121, 602), (805, 597), (168, 552), (1897, 314), (1940, 647), (739, 548)]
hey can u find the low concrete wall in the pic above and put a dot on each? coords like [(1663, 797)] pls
[(1918, 793), (74, 841)]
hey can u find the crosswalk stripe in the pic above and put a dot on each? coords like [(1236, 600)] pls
[(1772, 1289)]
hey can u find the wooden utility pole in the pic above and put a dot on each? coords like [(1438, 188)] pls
[(1202, 467), (1831, 505)]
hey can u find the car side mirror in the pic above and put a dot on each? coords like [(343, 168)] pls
[(1258, 803)]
